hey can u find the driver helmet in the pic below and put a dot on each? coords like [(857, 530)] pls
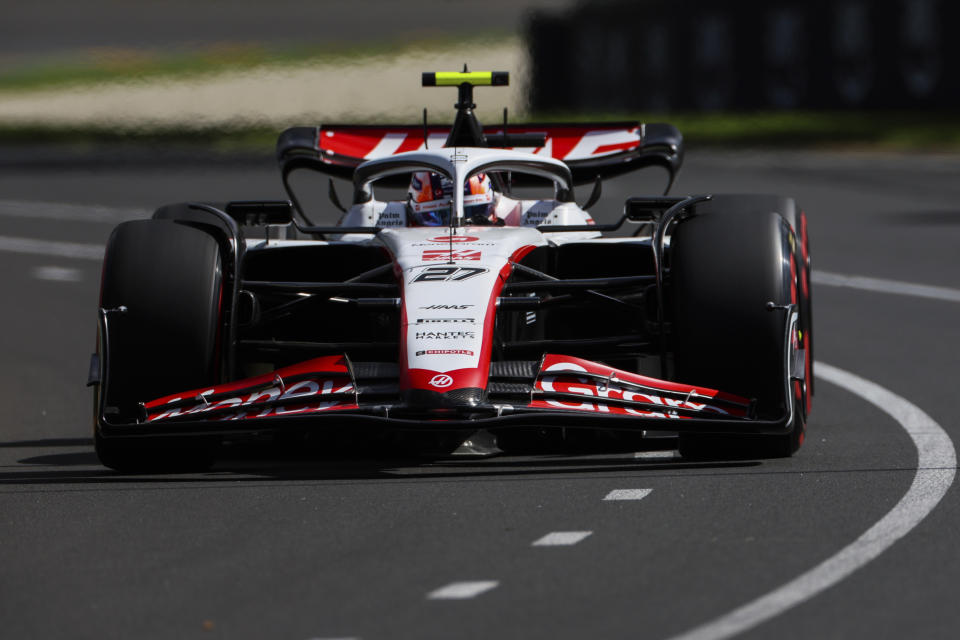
[(430, 198)]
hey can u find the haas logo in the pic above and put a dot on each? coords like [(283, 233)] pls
[(441, 381)]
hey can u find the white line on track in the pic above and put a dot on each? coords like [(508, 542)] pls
[(628, 494), (879, 285), (656, 455), (462, 590), (32, 246), (561, 538), (936, 468), (57, 274), (70, 212)]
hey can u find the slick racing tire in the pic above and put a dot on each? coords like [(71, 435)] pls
[(761, 204), (168, 276), (727, 263)]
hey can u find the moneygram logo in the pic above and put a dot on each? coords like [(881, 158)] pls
[(456, 254), (441, 381), (454, 239)]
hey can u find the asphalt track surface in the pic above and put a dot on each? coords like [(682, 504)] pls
[(511, 547)]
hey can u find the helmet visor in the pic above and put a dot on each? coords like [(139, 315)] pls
[(431, 214)]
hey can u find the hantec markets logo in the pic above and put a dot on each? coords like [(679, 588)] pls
[(454, 239), (441, 381), (445, 335)]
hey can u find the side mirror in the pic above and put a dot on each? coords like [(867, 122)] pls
[(260, 212), (647, 209)]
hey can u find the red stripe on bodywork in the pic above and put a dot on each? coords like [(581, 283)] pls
[(551, 360), (410, 143), (597, 394), (353, 144), (521, 253), (335, 364), (256, 397), (610, 148), (793, 280)]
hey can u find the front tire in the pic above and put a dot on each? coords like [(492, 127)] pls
[(727, 263), (168, 276)]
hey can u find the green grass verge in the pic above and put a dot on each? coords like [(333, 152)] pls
[(124, 65), (895, 131)]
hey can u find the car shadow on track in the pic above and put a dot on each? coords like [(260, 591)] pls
[(82, 467), (49, 442)]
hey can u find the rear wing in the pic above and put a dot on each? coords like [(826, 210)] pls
[(589, 149)]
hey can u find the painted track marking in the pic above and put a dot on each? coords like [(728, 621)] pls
[(462, 590), (936, 468), (880, 285), (561, 538), (52, 248), (57, 274), (628, 494), (656, 455), (70, 212)]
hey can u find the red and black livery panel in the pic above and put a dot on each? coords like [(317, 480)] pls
[(589, 149)]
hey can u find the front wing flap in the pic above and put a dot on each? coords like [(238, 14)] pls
[(325, 392)]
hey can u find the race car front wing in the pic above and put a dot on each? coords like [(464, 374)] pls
[(331, 391)]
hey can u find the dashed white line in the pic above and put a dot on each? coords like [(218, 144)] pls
[(628, 494), (936, 468), (57, 274), (462, 590), (72, 212), (655, 455), (561, 538), (32, 246), (879, 285)]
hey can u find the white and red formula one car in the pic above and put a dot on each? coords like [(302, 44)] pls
[(463, 293)]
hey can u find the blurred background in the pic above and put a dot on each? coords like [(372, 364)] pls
[(715, 55), (74, 68), (819, 72)]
